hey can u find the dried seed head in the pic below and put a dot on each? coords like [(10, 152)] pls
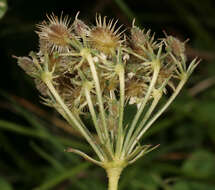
[(141, 40), (135, 89), (41, 87), (26, 64), (164, 74), (81, 29), (175, 45), (137, 36), (55, 34), (103, 37)]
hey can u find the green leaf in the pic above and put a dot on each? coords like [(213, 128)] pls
[(181, 185), (3, 7), (4, 185), (69, 174), (190, 185), (201, 165)]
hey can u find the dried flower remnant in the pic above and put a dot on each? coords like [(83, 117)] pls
[(55, 34), (141, 41), (104, 37), (80, 27), (26, 64), (82, 69)]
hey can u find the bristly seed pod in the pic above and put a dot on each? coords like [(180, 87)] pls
[(137, 36), (139, 39), (81, 29), (55, 34), (26, 64), (175, 45), (103, 37)]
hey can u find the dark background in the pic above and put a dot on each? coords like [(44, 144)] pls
[(33, 137)]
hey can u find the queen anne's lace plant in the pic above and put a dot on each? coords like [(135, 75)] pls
[(98, 69)]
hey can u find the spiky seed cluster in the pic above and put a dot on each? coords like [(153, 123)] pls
[(141, 41), (104, 37), (55, 34), (81, 69)]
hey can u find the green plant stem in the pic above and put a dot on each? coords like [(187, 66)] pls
[(135, 54), (81, 128), (154, 118), (156, 65), (89, 58), (93, 114), (120, 134), (113, 177), (146, 117)]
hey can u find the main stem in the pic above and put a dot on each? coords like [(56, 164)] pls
[(113, 177)]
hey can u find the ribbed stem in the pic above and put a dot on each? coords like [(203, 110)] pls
[(113, 177)]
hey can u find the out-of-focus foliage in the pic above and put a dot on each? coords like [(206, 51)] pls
[(3, 7), (33, 139)]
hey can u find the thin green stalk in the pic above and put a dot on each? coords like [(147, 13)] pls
[(146, 117), (81, 128), (178, 89), (89, 58), (135, 54), (156, 65), (113, 98), (85, 156), (120, 134), (93, 114)]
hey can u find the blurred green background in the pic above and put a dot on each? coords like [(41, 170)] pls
[(33, 137)]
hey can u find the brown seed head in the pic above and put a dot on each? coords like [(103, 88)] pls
[(103, 37), (55, 34), (135, 89), (80, 28), (175, 45), (141, 39)]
